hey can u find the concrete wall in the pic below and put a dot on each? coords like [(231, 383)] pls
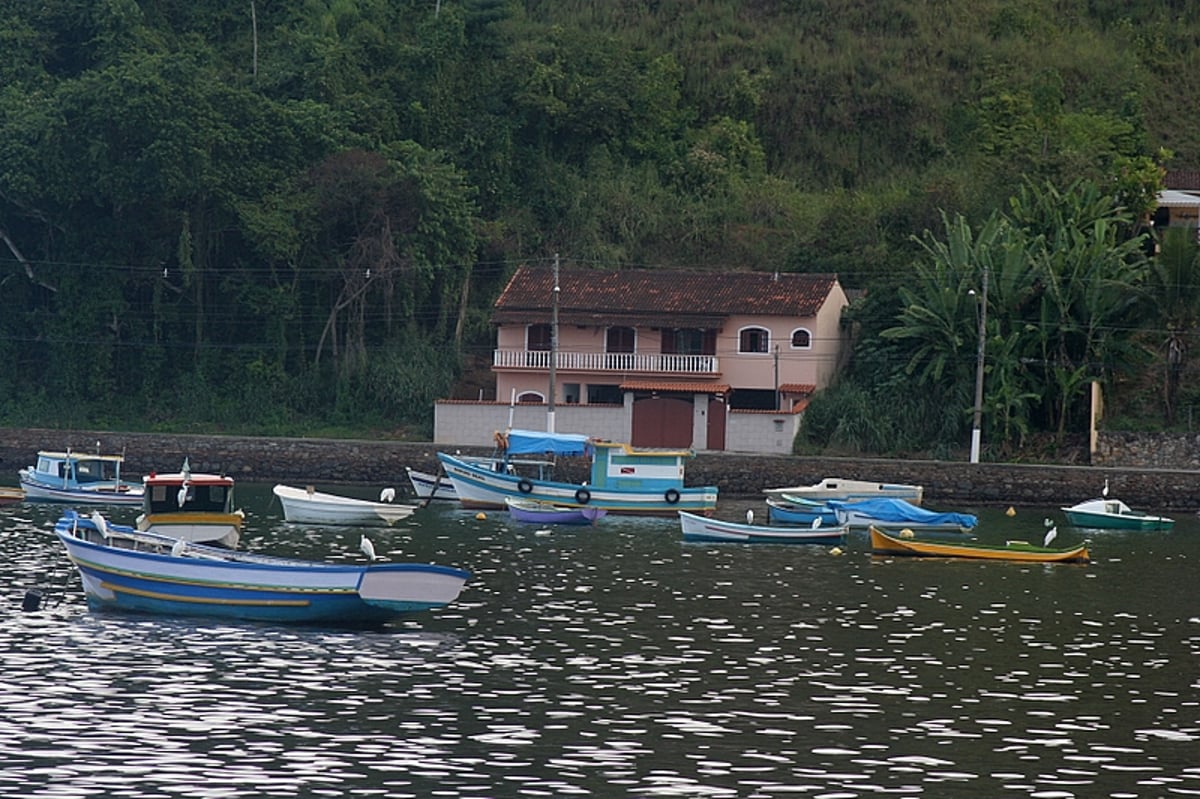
[(469, 423), (948, 485), (761, 431)]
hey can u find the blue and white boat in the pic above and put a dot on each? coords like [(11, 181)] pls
[(623, 479), (799, 511), (80, 479), (124, 569), (700, 528), (897, 512)]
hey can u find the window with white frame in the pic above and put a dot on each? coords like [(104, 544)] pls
[(754, 339), (801, 339)]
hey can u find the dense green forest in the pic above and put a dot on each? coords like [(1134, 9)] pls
[(292, 217)]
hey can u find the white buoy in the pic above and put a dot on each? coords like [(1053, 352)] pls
[(367, 548), (387, 495)]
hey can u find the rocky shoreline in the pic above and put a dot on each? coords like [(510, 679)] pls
[(341, 461)]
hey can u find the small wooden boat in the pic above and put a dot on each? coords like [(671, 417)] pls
[(431, 486), (11, 496), (1113, 514), (534, 512), (850, 491), (124, 569), (308, 506), (886, 543), (702, 528), (80, 479), (800, 512), (196, 507)]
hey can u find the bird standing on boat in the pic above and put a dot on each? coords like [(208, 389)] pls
[(1050, 535), (387, 495), (367, 548), (100, 522)]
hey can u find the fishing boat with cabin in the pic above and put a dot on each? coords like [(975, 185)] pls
[(622, 479)]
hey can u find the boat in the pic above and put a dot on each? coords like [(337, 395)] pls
[(800, 512), (79, 478), (904, 542), (897, 512), (431, 486), (535, 512), (308, 506), (849, 491), (11, 496), (125, 569), (195, 507), (623, 479), (1113, 514), (701, 528)]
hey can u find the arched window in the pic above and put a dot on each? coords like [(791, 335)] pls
[(754, 339), (801, 339), (530, 396)]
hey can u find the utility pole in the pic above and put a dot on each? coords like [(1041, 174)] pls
[(976, 433), (553, 351)]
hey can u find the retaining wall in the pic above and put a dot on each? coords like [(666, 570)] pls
[(379, 463)]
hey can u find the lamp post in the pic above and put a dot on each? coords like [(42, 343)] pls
[(981, 315)]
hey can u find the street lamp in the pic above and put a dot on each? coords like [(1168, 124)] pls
[(981, 315)]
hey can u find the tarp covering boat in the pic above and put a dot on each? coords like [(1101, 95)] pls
[(897, 511), (533, 442)]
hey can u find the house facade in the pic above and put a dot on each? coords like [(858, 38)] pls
[(658, 358)]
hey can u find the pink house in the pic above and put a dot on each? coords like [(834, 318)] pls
[(677, 356)]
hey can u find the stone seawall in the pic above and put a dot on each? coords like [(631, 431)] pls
[(379, 463)]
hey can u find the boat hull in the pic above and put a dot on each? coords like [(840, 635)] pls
[(1104, 521), (143, 575), (538, 513), (700, 528), (38, 491), (850, 491), (314, 507), (431, 486), (883, 543), (786, 513), (478, 487)]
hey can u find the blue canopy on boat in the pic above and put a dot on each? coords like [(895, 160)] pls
[(530, 442), (899, 511)]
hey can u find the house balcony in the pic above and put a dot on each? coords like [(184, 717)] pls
[(624, 363)]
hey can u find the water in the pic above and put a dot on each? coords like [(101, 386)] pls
[(619, 661)]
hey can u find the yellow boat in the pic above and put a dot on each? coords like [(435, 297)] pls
[(884, 543)]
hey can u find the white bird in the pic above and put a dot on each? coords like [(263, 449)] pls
[(1104, 491), (1050, 534), (387, 495), (1047, 522), (750, 517), (367, 548), (181, 497), (100, 522), (816, 522), (178, 547)]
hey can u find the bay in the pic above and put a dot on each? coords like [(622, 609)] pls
[(620, 661)]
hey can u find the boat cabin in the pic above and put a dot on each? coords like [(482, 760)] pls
[(192, 493)]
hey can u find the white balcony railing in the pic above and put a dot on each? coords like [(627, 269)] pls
[(624, 362)]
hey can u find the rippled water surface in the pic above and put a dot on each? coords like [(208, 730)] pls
[(619, 661)]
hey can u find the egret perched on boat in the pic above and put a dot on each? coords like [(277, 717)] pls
[(178, 547), (387, 495), (367, 548), (1050, 534), (816, 523), (1104, 491), (750, 516), (100, 523), (181, 497)]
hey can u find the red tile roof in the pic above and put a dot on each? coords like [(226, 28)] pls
[(797, 388), (637, 296)]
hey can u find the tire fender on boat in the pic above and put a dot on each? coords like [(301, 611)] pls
[(583, 496), (524, 486), (671, 496)]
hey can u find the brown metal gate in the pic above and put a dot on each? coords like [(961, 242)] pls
[(662, 422)]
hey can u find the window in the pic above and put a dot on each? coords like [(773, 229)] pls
[(754, 339), (689, 341), (801, 339), (600, 394), (619, 339), (537, 337), (530, 396)]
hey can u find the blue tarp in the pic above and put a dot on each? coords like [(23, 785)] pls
[(533, 442), (899, 511)]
